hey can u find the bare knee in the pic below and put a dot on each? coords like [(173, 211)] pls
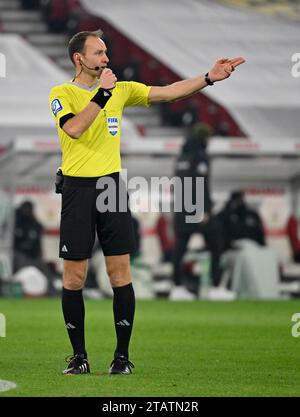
[(118, 270), (74, 274)]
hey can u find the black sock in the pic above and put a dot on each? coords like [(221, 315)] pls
[(124, 306), (73, 310)]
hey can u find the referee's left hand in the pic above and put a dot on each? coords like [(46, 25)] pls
[(223, 68)]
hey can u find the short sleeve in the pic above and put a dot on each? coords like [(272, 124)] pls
[(137, 94), (59, 103)]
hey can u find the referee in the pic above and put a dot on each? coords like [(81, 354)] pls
[(88, 113)]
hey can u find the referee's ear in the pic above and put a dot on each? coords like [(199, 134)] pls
[(77, 58)]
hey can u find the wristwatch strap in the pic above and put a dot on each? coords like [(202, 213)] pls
[(208, 80)]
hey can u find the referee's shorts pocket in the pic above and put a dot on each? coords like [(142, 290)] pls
[(68, 197), (77, 227)]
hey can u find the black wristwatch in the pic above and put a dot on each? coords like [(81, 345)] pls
[(208, 80)]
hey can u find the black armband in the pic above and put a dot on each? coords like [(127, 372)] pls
[(101, 97), (208, 80), (65, 118)]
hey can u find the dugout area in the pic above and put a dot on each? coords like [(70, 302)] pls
[(268, 172)]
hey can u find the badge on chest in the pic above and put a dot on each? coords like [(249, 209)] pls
[(113, 125)]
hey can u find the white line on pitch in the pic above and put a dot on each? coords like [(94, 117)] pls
[(6, 385)]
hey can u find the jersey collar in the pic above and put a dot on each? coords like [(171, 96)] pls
[(84, 87)]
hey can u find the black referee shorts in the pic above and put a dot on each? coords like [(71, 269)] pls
[(81, 220)]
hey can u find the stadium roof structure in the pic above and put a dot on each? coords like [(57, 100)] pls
[(29, 76), (26, 79), (188, 35)]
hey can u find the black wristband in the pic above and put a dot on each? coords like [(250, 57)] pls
[(208, 80), (101, 97)]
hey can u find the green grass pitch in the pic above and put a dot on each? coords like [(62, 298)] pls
[(198, 349)]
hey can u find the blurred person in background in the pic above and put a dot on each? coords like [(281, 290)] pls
[(28, 232), (250, 269), (30, 4), (56, 14), (165, 233), (190, 116), (239, 221), (293, 235), (193, 162), (28, 235), (137, 237)]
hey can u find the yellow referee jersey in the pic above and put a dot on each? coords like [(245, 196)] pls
[(97, 151)]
